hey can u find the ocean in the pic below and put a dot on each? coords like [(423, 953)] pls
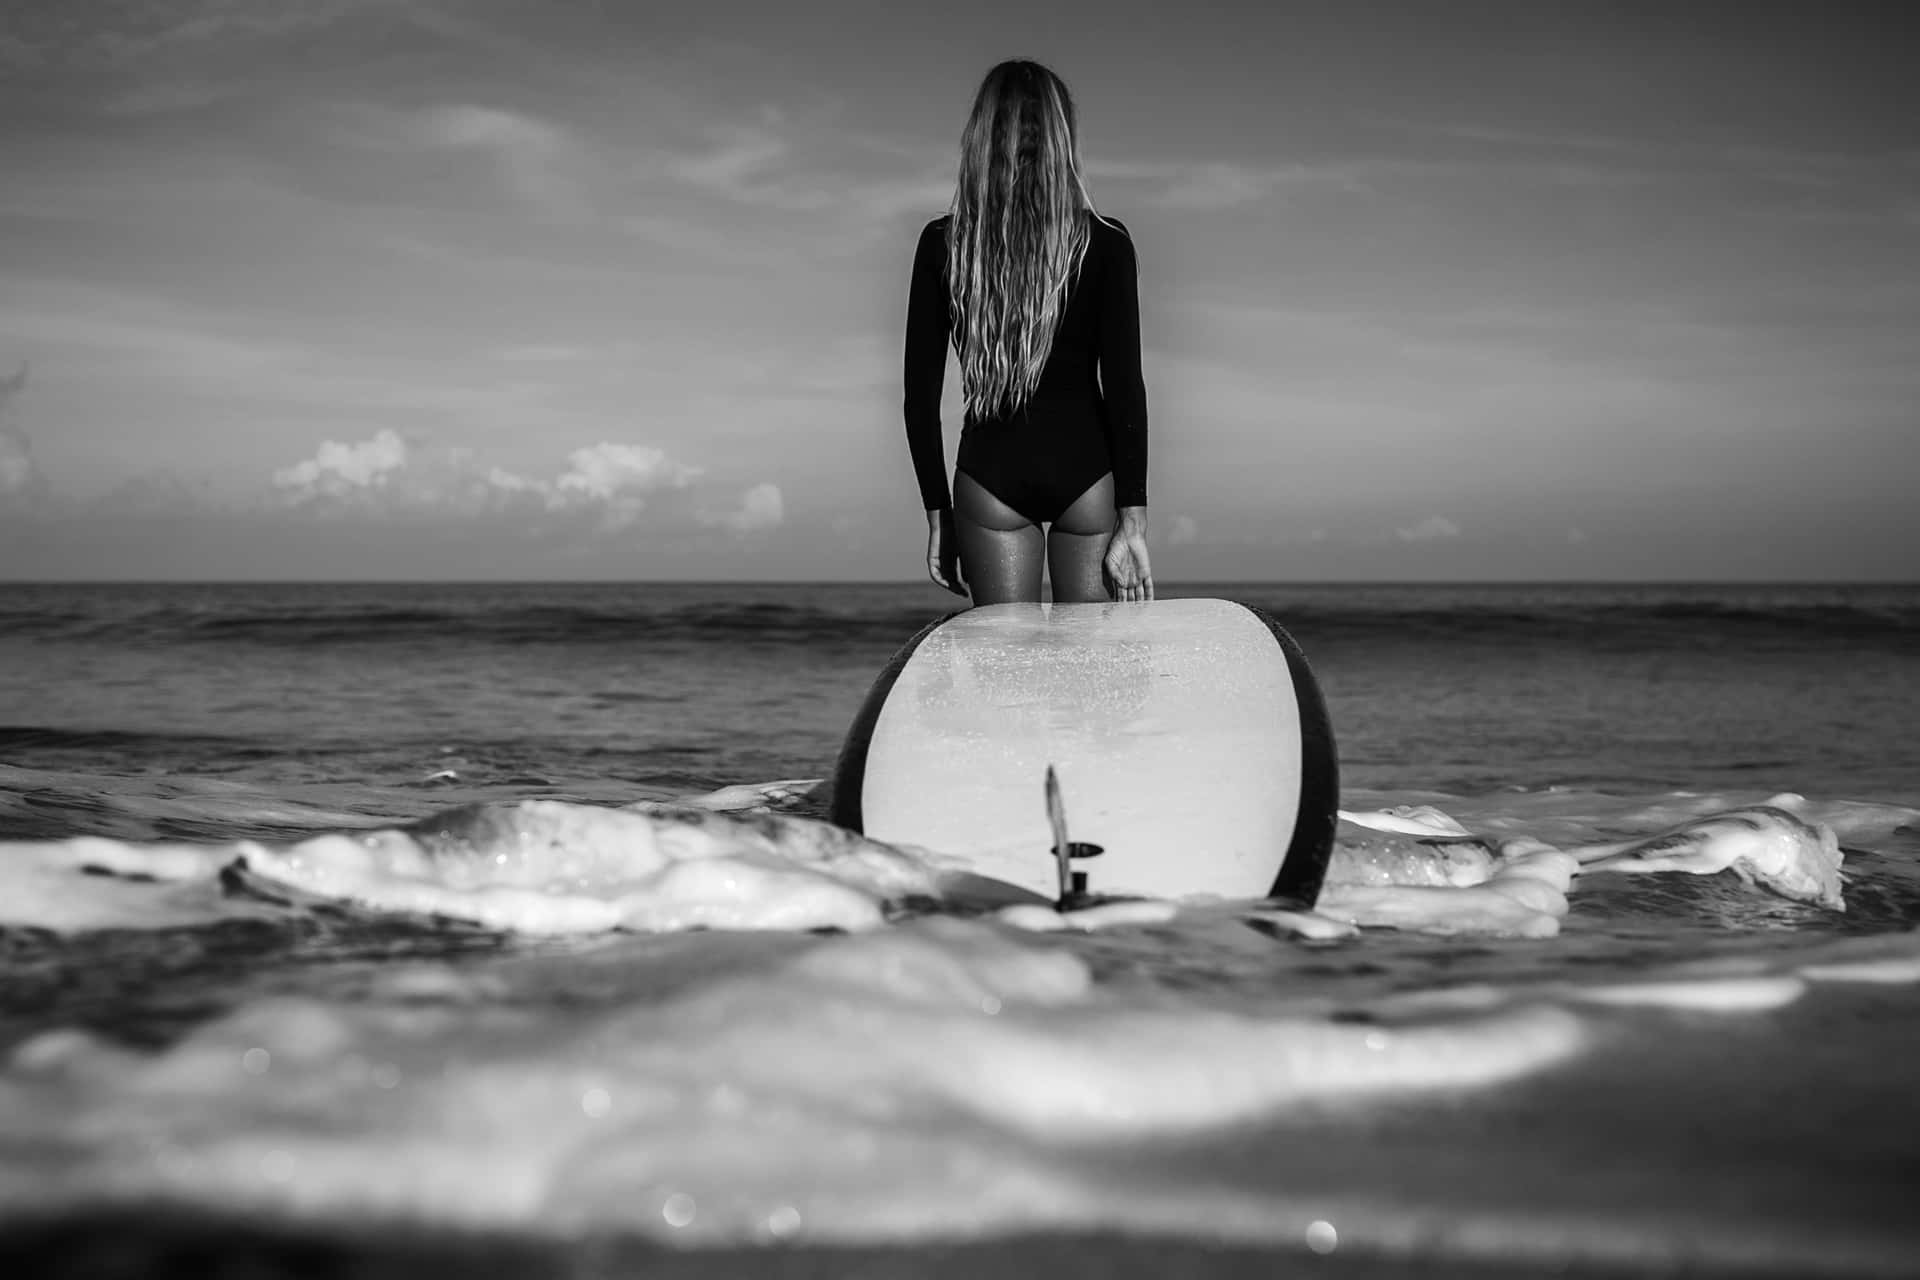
[(1692, 1071)]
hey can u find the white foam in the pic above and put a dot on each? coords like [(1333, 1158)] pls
[(937, 1073), (535, 867), (1407, 819), (1763, 844), (1525, 897), (1715, 995), (47, 886), (783, 793), (1891, 970), (1374, 859)]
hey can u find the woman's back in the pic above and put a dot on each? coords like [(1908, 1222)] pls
[(1091, 379), (1074, 357)]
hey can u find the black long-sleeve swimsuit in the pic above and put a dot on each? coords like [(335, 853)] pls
[(1087, 417)]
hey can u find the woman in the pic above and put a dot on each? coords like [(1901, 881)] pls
[(1035, 290)]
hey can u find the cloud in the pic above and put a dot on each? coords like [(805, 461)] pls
[(760, 508), (743, 153), (18, 474), (127, 36), (615, 480), (607, 471), (543, 166), (21, 480), (1431, 529), (745, 162), (1207, 185), (602, 488), (530, 154), (1183, 531), (508, 482), (488, 127), (340, 469), (385, 476)]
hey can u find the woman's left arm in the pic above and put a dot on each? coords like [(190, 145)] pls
[(1128, 571)]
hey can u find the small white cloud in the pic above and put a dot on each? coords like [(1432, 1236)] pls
[(339, 469), (1429, 530), (1183, 531), (19, 476), (761, 508), (508, 482), (615, 480), (606, 471)]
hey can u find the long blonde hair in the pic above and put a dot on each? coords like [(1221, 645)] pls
[(1017, 233)]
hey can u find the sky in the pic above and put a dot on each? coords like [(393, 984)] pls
[(565, 289)]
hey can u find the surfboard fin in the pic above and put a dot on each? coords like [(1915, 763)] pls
[(1073, 884)]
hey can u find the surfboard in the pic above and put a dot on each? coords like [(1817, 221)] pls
[(1189, 737)]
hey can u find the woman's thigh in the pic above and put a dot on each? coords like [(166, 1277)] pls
[(1077, 545), (1001, 551)]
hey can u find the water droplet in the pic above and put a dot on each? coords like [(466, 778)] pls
[(783, 1222), (256, 1061), (1378, 1040), (596, 1102), (678, 1210), (386, 1075), (990, 1005), (1321, 1237)]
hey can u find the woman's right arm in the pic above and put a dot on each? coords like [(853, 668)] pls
[(926, 366), (925, 372)]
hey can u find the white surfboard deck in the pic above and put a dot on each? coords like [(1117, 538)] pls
[(1173, 726)]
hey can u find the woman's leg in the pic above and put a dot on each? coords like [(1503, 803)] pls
[(1000, 550), (1077, 543)]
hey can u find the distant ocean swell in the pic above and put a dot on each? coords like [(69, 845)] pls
[(633, 617), (543, 624)]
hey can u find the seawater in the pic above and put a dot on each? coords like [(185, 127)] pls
[(1693, 1071)]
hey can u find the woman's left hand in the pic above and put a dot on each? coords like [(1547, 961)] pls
[(1126, 567)]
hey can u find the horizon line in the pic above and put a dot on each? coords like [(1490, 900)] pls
[(904, 582)]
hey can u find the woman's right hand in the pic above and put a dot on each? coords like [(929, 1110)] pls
[(1126, 568), (943, 551)]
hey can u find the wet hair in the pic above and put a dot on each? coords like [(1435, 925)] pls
[(1017, 232)]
